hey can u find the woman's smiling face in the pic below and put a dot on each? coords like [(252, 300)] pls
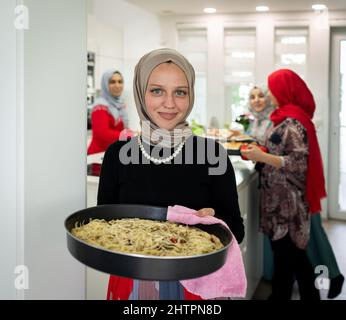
[(167, 96), (116, 85), (258, 100)]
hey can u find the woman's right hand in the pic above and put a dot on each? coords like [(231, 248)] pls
[(205, 212), (259, 154), (252, 152)]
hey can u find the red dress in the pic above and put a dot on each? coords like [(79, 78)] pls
[(105, 130), (120, 288)]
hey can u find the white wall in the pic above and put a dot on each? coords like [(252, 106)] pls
[(317, 64), (141, 33), (54, 144), (8, 145), (108, 45)]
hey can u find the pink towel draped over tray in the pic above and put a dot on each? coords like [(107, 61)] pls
[(229, 280)]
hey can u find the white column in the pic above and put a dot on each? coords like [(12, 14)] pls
[(216, 89), (43, 144), (8, 159), (265, 42)]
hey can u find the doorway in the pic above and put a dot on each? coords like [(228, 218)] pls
[(337, 171)]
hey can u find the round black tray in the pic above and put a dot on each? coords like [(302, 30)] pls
[(138, 266)]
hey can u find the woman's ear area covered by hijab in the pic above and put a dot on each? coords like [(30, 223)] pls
[(273, 100), (289, 88)]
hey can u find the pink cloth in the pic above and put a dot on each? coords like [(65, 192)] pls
[(229, 280)]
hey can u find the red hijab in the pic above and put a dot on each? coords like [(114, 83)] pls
[(296, 101)]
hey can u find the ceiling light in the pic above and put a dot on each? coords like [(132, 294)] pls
[(209, 10), (319, 7), (262, 8)]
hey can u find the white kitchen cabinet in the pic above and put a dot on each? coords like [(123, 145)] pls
[(252, 245)]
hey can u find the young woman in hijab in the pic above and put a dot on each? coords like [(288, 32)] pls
[(319, 249), (108, 116), (292, 183), (164, 96), (261, 108)]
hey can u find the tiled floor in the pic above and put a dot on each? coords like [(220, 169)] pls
[(336, 231)]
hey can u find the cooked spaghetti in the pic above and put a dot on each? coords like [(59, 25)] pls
[(147, 237)]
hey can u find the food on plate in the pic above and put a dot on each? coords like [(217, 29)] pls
[(242, 137), (236, 145), (147, 237), (222, 133), (232, 145)]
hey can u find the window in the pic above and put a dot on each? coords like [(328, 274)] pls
[(239, 77), (192, 43), (291, 49)]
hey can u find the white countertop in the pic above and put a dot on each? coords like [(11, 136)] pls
[(243, 169), (95, 158)]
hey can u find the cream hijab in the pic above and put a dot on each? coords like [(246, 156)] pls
[(151, 133)]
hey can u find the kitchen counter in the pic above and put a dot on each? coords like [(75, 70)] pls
[(252, 245), (243, 171)]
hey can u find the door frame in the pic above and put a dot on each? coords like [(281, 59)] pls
[(337, 35)]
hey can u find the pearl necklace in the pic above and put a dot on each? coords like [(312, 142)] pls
[(159, 161)]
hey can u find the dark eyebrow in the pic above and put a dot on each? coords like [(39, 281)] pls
[(158, 85), (154, 85)]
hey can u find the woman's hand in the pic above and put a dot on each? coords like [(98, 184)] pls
[(205, 212), (253, 153)]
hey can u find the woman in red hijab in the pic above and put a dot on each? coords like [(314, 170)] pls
[(292, 183)]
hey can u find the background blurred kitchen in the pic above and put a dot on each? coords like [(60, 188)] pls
[(46, 131)]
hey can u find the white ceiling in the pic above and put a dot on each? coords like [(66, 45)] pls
[(180, 7)]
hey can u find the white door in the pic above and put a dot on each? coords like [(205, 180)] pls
[(337, 171)]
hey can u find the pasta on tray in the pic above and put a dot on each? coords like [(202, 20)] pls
[(147, 237)]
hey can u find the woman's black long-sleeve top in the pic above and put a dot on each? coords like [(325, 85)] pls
[(187, 181)]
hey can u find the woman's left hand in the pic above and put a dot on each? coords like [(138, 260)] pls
[(205, 212)]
